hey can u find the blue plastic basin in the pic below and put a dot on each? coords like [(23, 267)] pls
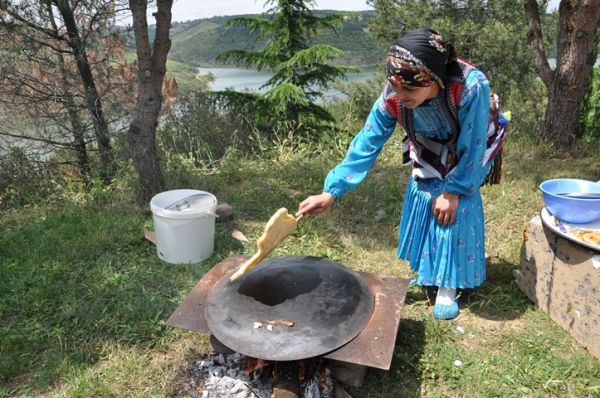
[(571, 209)]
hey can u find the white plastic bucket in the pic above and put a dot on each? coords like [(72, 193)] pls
[(184, 225)]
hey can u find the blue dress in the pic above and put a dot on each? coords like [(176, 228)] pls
[(449, 256)]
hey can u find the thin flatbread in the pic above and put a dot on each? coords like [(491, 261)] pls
[(279, 227), (589, 236)]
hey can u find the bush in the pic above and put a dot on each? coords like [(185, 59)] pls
[(24, 180), (203, 126), (589, 129), (358, 102), (527, 105)]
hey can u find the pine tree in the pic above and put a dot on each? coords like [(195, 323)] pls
[(300, 71)]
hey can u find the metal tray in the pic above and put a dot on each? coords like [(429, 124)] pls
[(566, 230)]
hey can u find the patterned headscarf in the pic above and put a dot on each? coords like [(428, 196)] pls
[(418, 58)]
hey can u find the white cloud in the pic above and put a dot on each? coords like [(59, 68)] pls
[(184, 10)]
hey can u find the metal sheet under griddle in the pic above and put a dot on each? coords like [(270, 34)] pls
[(328, 303)]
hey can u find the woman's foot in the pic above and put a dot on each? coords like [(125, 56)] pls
[(445, 306)]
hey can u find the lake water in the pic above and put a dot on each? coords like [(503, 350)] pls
[(248, 79)]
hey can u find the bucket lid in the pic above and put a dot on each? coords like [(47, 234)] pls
[(183, 203), (197, 201)]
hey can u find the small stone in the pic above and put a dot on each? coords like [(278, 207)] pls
[(218, 372), (458, 363), (348, 373), (232, 373), (379, 215), (218, 347), (224, 212), (239, 236)]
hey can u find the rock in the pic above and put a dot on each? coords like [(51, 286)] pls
[(224, 212), (220, 359), (239, 236), (348, 373), (562, 277), (218, 372), (218, 347), (379, 215), (340, 392), (232, 373)]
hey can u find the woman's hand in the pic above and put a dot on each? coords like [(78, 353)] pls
[(315, 204), (444, 208)]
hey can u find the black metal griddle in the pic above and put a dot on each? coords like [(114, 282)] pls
[(328, 303)]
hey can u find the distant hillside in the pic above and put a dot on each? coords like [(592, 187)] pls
[(199, 42)]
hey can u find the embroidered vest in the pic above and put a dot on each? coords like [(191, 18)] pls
[(438, 157)]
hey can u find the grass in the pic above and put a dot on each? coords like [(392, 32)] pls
[(84, 298), (186, 76)]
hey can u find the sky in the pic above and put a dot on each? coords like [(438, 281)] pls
[(185, 10)]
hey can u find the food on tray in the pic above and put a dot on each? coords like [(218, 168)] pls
[(285, 322), (587, 235), (279, 227)]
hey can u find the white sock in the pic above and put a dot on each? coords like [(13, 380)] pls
[(445, 296)]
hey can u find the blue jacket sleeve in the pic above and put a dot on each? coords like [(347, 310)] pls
[(473, 114), (362, 153)]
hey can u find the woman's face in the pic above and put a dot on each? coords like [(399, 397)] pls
[(412, 96)]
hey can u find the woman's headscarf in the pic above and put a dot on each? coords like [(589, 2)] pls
[(418, 58)]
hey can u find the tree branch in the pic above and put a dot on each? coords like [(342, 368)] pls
[(140, 29), (30, 24), (536, 41), (30, 138), (162, 43)]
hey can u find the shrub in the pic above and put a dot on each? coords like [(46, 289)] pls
[(25, 180), (589, 129), (203, 126)]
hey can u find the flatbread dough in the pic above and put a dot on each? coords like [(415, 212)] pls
[(588, 236), (279, 227)]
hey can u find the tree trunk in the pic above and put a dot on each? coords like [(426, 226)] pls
[(576, 55), (77, 128), (94, 104), (76, 125), (151, 74)]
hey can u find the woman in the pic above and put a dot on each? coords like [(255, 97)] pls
[(443, 105)]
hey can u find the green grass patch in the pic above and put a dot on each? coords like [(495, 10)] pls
[(84, 298), (187, 76)]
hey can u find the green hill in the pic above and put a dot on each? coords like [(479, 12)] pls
[(199, 42)]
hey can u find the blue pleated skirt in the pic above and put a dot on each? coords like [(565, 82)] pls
[(450, 256)]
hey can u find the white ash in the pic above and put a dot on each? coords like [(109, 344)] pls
[(224, 378), (311, 389)]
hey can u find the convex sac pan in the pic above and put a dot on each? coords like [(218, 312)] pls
[(328, 304)]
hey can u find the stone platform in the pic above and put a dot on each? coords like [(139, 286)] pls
[(563, 279)]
